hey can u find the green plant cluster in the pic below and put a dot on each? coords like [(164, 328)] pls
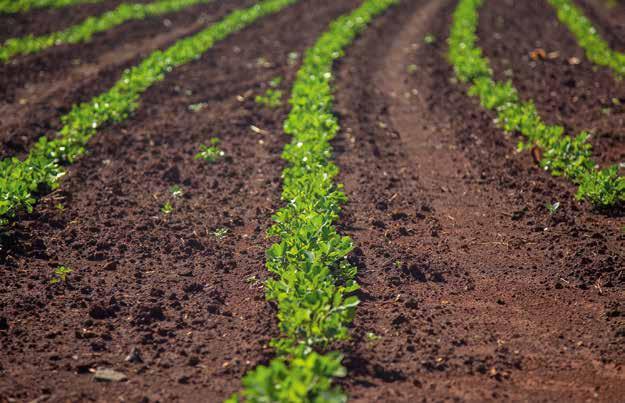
[(42, 168), (597, 49), (272, 98), (20, 6), (210, 153), (562, 154), (84, 31), (313, 283)]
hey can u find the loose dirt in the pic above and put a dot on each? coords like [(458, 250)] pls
[(471, 290)]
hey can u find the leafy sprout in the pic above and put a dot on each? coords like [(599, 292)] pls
[(553, 207), (221, 233), (60, 274), (210, 153), (176, 191), (167, 208)]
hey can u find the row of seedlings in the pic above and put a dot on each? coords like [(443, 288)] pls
[(596, 48), (20, 180), (20, 6), (84, 31), (563, 155), (312, 281)]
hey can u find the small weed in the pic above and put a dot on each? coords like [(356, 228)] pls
[(220, 233), (553, 207), (60, 274), (167, 208), (429, 39), (176, 191), (59, 206), (273, 96), (398, 264), (371, 337), (210, 153), (411, 69), (197, 107)]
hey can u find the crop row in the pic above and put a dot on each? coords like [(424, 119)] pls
[(19, 6), (42, 168), (597, 49), (84, 31), (562, 154), (312, 281)]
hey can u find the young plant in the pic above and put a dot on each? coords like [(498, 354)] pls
[(60, 274), (272, 98), (167, 208), (21, 180), (176, 191), (553, 208), (210, 153), (221, 233)]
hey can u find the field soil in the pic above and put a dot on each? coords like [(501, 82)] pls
[(471, 289)]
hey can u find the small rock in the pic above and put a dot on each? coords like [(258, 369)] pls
[(108, 375), (134, 356)]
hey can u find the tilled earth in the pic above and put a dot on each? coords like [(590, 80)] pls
[(471, 290)]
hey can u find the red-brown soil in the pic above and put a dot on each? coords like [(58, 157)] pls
[(471, 290)]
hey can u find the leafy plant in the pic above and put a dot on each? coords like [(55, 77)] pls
[(197, 107), (60, 274), (210, 153), (167, 208), (176, 191), (42, 168), (562, 154), (312, 281), (371, 337), (220, 233)]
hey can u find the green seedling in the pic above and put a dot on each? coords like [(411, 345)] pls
[(197, 107), (411, 69), (221, 233), (371, 337), (429, 39), (60, 274), (273, 96), (176, 191), (167, 208), (59, 206), (553, 207), (210, 153)]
